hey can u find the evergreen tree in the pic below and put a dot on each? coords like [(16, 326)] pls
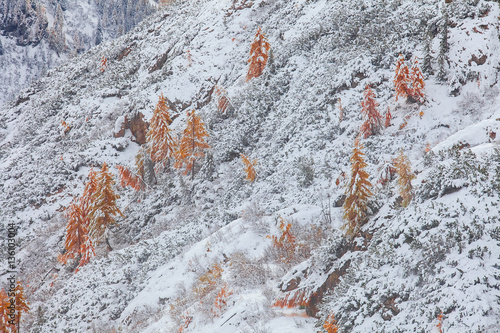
[(373, 119), (443, 47), (427, 63), (259, 54), (192, 144), (160, 141), (405, 176), (357, 193)]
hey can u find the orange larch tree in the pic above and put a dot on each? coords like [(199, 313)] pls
[(192, 144), (249, 168), (160, 141), (440, 322), (78, 244), (104, 64), (417, 82), (259, 54), (330, 325), (22, 304), (221, 100), (402, 78), (373, 119), (388, 117), (104, 207), (357, 192), (405, 176), (5, 321), (128, 178), (286, 244)]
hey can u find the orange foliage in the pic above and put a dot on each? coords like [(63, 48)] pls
[(388, 117), (65, 127), (259, 54), (192, 144), (187, 319), (220, 303), (440, 323), (22, 304), (341, 111), (372, 117), (286, 243), (409, 84), (293, 299), (6, 323), (104, 63), (161, 143), (330, 324), (401, 78), (208, 281), (222, 101), (127, 178), (78, 243), (249, 168), (103, 207), (417, 82), (357, 192), (405, 176)]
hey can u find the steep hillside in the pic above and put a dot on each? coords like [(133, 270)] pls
[(38, 35), (214, 252)]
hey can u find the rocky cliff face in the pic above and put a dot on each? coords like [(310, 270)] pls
[(36, 35)]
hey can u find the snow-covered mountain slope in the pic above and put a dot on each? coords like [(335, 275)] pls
[(38, 35), (183, 241)]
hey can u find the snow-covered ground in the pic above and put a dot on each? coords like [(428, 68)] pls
[(182, 241)]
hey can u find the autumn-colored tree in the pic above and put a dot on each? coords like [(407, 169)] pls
[(192, 144), (221, 100), (220, 303), (341, 111), (208, 281), (401, 78), (440, 322), (103, 209), (249, 168), (128, 178), (22, 304), (330, 325), (5, 321), (161, 142), (417, 82), (78, 244), (388, 117), (104, 64), (357, 192), (259, 54), (286, 244), (409, 84), (405, 176), (373, 119)]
